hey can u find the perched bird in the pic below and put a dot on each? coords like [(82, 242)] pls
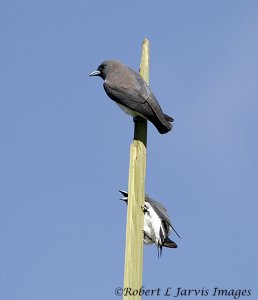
[(129, 90), (157, 225)]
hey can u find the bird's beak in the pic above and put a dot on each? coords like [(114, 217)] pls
[(124, 193), (95, 73), (125, 199)]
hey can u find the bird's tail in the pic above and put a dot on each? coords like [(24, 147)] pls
[(162, 123), (168, 118), (169, 244), (163, 127)]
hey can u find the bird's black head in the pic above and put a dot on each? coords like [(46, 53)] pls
[(104, 68)]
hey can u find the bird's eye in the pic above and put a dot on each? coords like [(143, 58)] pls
[(103, 66)]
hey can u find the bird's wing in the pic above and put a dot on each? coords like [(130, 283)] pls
[(151, 100), (161, 211), (127, 87)]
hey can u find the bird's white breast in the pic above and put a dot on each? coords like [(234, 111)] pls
[(130, 111), (152, 223)]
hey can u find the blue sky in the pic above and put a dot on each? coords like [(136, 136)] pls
[(65, 145)]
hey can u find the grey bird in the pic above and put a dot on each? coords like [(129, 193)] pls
[(129, 90), (157, 225)]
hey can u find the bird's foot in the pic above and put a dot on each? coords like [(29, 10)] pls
[(144, 209)]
